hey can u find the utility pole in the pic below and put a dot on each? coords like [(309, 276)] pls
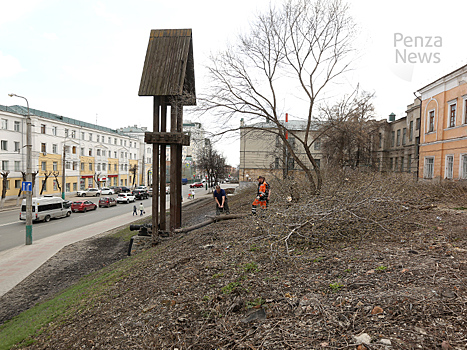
[(28, 173), (63, 171)]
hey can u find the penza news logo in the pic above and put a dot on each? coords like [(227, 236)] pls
[(417, 49)]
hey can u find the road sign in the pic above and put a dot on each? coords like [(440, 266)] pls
[(26, 186)]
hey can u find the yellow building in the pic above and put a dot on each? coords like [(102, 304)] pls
[(443, 132)]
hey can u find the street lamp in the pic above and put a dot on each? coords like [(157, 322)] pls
[(28, 174)]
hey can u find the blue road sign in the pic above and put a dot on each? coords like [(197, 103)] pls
[(26, 186)]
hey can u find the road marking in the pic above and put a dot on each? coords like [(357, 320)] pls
[(9, 223)]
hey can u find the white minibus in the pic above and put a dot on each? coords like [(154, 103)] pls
[(46, 208)]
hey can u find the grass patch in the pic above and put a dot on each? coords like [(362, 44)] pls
[(22, 329), (230, 287)]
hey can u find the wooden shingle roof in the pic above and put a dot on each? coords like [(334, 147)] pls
[(169, 66)]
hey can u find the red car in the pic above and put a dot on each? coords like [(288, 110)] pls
[(197, 184), (83, 206), (107, 202)]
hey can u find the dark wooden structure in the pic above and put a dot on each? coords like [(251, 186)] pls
[(168, 76)]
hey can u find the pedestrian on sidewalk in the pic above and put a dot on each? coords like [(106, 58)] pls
[(192, 194), (141, 209), (221, 201), (135, 211)]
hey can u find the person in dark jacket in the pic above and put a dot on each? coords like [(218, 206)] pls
[(221, 201)]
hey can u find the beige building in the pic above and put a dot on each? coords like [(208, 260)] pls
[(262, 152)]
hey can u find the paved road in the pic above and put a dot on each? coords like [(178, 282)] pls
[(12, 230)]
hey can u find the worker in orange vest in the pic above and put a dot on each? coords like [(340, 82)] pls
[(262, 195)]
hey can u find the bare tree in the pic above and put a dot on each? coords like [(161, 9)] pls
[(56, 174), (302, 45), (96, 179), (350, 134), (133, 170), (46, 176), (4, 185), (211, 162)]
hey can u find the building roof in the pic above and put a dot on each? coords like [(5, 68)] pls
[(169, 66), (21, 110), (458, 70)]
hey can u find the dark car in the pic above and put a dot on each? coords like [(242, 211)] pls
[(116, 189), (83, 206), (197, 184), (107, 202), (125, 190), (140, 194)]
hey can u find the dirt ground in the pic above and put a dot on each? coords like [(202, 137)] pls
[(223, 287)]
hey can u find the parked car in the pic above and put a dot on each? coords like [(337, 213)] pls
[(107, 191), (141, 187), (140, 194), (89, 192), (196, 184), (116, 189), (125, 190), (125, 198), (167, 189), (107, 202), (83, 206)]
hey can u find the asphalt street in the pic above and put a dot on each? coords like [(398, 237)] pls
[(13, 231)]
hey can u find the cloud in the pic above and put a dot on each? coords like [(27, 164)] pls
[(50, 36), (9, 66), (14, 10), (101, 11)]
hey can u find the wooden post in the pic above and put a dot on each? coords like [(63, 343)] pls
[(155, 174), (173, 167), (163, 167), (179, 166)]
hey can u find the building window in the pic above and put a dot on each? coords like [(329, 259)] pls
[(90, 152), (98, 138), (18, 183), (54, 148), (74, 150), (73, 135), (90, 136), (75, 165), (402, 163), (115, 140), (4, 145), (98, 167), (409, 163), (98, 152), (431, 121), (404, 136), (66, 132), (103, 152), (17, 165), (317, 145), (43, 166), (110, 140), (42, 128), (115, 167), (54, 130), (5, 165), (82, 151), (115, 154), (55, 166), (90, 182), (82, 166), (393, 138), (90, 166), (464, 166), (55, 185), (17, 126), (417, 125), (411, 131), (452, 115), (67, 149), (75, 186), (429, 167), (67, 187), (103, 166), (82, 135), (5, 124), (449, 166), (398, 140), (17, 146), (43, 147), (68, 165), (395, 163)]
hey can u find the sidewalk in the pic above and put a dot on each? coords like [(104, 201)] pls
[(18, 263)]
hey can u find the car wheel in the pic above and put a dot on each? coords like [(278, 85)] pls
[(95, 208), (47, 218), (127, 201), (68, 214), (85, 210)]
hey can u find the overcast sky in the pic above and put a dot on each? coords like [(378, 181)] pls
[(83, 59)]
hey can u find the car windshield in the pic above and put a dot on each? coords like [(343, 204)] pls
[(122, 195)]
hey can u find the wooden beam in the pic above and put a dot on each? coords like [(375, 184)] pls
[(163, 167), (155, 174)]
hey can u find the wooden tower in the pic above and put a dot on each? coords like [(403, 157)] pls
[(168, 76)]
